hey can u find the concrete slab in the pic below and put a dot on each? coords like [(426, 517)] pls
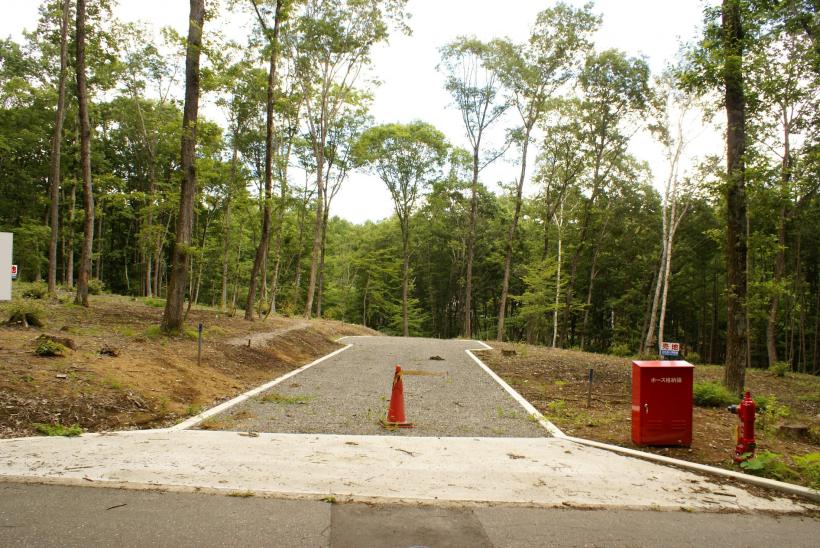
[(522, 471)]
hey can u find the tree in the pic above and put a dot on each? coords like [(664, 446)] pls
[(56, 142), (262, 250), (736, 229), (172, 317), (333, 43), (475, 89), (407, 158), (85, 160), (533, 73)]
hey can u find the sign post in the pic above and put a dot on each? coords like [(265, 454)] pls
[(670, 349), (7, 270)]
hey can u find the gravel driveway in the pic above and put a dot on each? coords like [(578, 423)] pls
[(350, 392)]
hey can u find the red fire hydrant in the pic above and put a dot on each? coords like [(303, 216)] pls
[(745, 412)]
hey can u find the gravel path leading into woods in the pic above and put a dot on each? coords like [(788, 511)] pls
[(349, 393)]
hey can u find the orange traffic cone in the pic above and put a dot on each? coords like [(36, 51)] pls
[(395, 413)]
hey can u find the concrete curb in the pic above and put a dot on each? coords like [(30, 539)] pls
[(193, 421), (781, 486), (528, 407)]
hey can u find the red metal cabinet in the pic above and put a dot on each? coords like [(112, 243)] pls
[(662, 402)]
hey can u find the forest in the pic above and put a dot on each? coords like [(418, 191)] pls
[(112, 179)]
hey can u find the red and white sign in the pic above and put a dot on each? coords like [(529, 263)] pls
[(670, 348), (14, 272)]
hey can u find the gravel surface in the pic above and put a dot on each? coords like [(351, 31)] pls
[(350, 392)]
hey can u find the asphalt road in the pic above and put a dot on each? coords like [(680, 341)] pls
[(39, 515), (350, 392)]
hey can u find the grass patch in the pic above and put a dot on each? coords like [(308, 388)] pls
[(25, 314), (125, 331), (809, 468), (57, 429), (192, 410), (155, 302), (711, 394), (36, 290), (154, 332), (275, 397), (49, 348)]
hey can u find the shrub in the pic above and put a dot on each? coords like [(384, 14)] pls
[(770, 411), (620, 349), (57, 429), (25, 314), (809, 468), (693, 357), (769, 465), (95, 286), (711, 394), (37, 290), (48, 347), (779, 369)]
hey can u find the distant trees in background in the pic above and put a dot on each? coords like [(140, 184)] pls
[(579, 251)]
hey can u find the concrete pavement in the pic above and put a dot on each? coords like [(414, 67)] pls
[(523, 471)]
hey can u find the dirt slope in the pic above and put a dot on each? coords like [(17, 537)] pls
[(152, 380)]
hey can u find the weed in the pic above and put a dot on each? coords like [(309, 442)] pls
[(779, 369), (155, 302), (114, 383), (809, 467), (154, 332), (557, 407), (693, 357), (620, 349), (57, 429), (330, 499), (191, 333), (35, 291), (242, 494), (164, 403), (215, 331), (47, 347), (27, 378), (25, 314), (711, 394), (125, 331), (192, 410), (95, 286), (770, 411), (275, 397), (769, 465)]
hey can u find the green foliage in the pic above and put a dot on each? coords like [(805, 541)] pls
[(154, 302), (620, 349), (47, 347), (36, 290), (57, 429), (711, 394), (779, 368), (284, 399), (95, 286), (25, 313), (693, 357), (809, 467), (769, 465), (770, 412)]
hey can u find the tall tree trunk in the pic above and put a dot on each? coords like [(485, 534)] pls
[(593, 273), (85, 161), (468, 293), (502, 306), (405, 277), (736, 244), (56, 142), (172, 318), (317, 234), (70, 260), (321, 282), (260, 259), (555, 315)]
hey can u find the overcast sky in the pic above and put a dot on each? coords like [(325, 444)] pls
[(411, 87)]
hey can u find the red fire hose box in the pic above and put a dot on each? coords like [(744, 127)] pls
[(662, 402)]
